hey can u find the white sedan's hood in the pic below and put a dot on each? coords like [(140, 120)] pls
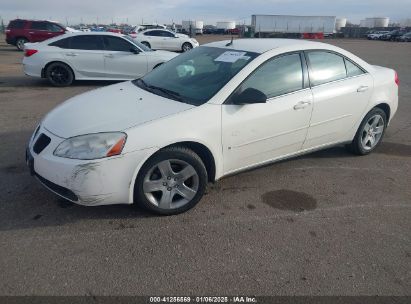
[(113, 108)]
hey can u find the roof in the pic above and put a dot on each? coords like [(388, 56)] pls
[(262, 45), (79, 33)]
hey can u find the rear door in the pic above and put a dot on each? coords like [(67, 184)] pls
[(120, 61), (38, 31), (154, 37), (341, 91), (86, 55), (169, 41)]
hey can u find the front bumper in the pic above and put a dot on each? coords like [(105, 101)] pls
[(86, 182)]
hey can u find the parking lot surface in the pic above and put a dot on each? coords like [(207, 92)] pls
[(327, 223)]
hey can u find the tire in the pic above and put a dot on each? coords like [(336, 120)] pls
[(146, 44), (186, 47), (59, 74), (20, 43), (168, 191), (370, 132)]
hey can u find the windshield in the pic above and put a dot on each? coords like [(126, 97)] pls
[(196, 76), (140, 45)]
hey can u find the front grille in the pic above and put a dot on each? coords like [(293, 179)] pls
[(64, 192), (41, 143)]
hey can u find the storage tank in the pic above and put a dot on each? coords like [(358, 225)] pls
[(226, 25), (196, 26), (292, 24), (339, 23), (376, 22)]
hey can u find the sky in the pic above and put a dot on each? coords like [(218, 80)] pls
[(210, 11)]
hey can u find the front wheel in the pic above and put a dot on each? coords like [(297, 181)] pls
[(370, 133), (59, 74), (171, 182), (186, 47)]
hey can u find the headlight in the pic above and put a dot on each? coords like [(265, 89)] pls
[(92, 146), (194, 40)]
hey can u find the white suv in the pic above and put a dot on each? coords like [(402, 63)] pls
[(159, 39)]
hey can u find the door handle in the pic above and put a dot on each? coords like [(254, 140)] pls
[(109, 55), (362, 89), (31, 32), (302, 105), (71, 54)]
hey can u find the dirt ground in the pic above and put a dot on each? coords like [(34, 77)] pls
[(328, 223)]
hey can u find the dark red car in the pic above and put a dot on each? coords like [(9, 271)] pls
[(20, 31)]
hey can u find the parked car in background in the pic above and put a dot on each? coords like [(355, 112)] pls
[(234, 31), (405, 38), (217, 110), (84, 29), (140, 28), (159, 39), (114, 30), (21, 31), (90, 56), (376, 35), (393, 35)]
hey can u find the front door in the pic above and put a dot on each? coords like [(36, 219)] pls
[(121, 62), (256, 133)]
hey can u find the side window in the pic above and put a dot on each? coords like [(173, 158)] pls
[(276, 77), (352, 69), (89, 42), (53, 28), (16, 24), (117, 44), (62, 43), (166, 34), (326, 67), (39, 26), (152, 33)]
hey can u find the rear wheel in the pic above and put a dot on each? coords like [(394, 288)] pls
[(59, 74), (146, 44), (370, 132), (171, 182), (20, 43), (186, 47)]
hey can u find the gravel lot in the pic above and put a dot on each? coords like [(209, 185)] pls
[(328, 223)]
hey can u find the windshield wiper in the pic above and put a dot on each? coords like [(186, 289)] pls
[(174, 95)]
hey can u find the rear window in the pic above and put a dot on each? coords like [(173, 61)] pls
[(16, 24), (40, 26), (326, 67)]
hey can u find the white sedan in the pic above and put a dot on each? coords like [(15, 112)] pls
[(219, 109), (161, 39), (90, 56)]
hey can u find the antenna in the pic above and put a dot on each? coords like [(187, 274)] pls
[(231, 42)]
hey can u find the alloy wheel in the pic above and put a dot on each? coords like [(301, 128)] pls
[(372, 132), (171, 184)]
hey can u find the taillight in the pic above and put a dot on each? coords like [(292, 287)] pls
[(29, 52), (397, 80)]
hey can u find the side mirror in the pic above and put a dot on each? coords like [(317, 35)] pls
[(134, 50), (249, 96)]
